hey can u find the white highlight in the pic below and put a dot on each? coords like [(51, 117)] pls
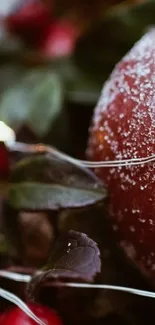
[(7, 135)]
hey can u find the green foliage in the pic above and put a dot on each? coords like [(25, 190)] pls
[(36, 99)]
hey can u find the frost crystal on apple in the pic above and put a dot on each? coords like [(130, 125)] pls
[(124, 127)]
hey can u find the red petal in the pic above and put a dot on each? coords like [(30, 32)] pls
[(60, 39)]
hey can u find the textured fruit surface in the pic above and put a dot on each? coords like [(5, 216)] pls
[(124, 127), (17, 317)]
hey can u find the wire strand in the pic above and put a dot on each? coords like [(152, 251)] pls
[(134, 291), (30, 148), (26, 278), (18, 277), (18, 302)]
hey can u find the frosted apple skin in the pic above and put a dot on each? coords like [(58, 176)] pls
[(123, 127)]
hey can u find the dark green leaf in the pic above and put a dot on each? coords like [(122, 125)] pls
[(46, 182), (47, 103), (48, 168), (102, 47), (36, 99), (10, 75), (74, 256), (35, 196)]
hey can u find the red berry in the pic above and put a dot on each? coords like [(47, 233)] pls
[(4, 161), (59, 40), (124, 127), (17, 317), (30, 22)]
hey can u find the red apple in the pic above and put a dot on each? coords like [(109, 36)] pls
[(17, 317), (124, 127)]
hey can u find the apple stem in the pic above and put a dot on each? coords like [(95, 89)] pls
[(41, 148), (26, 278), (18, 302)]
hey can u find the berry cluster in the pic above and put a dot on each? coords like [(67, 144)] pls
[(36, 25)]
